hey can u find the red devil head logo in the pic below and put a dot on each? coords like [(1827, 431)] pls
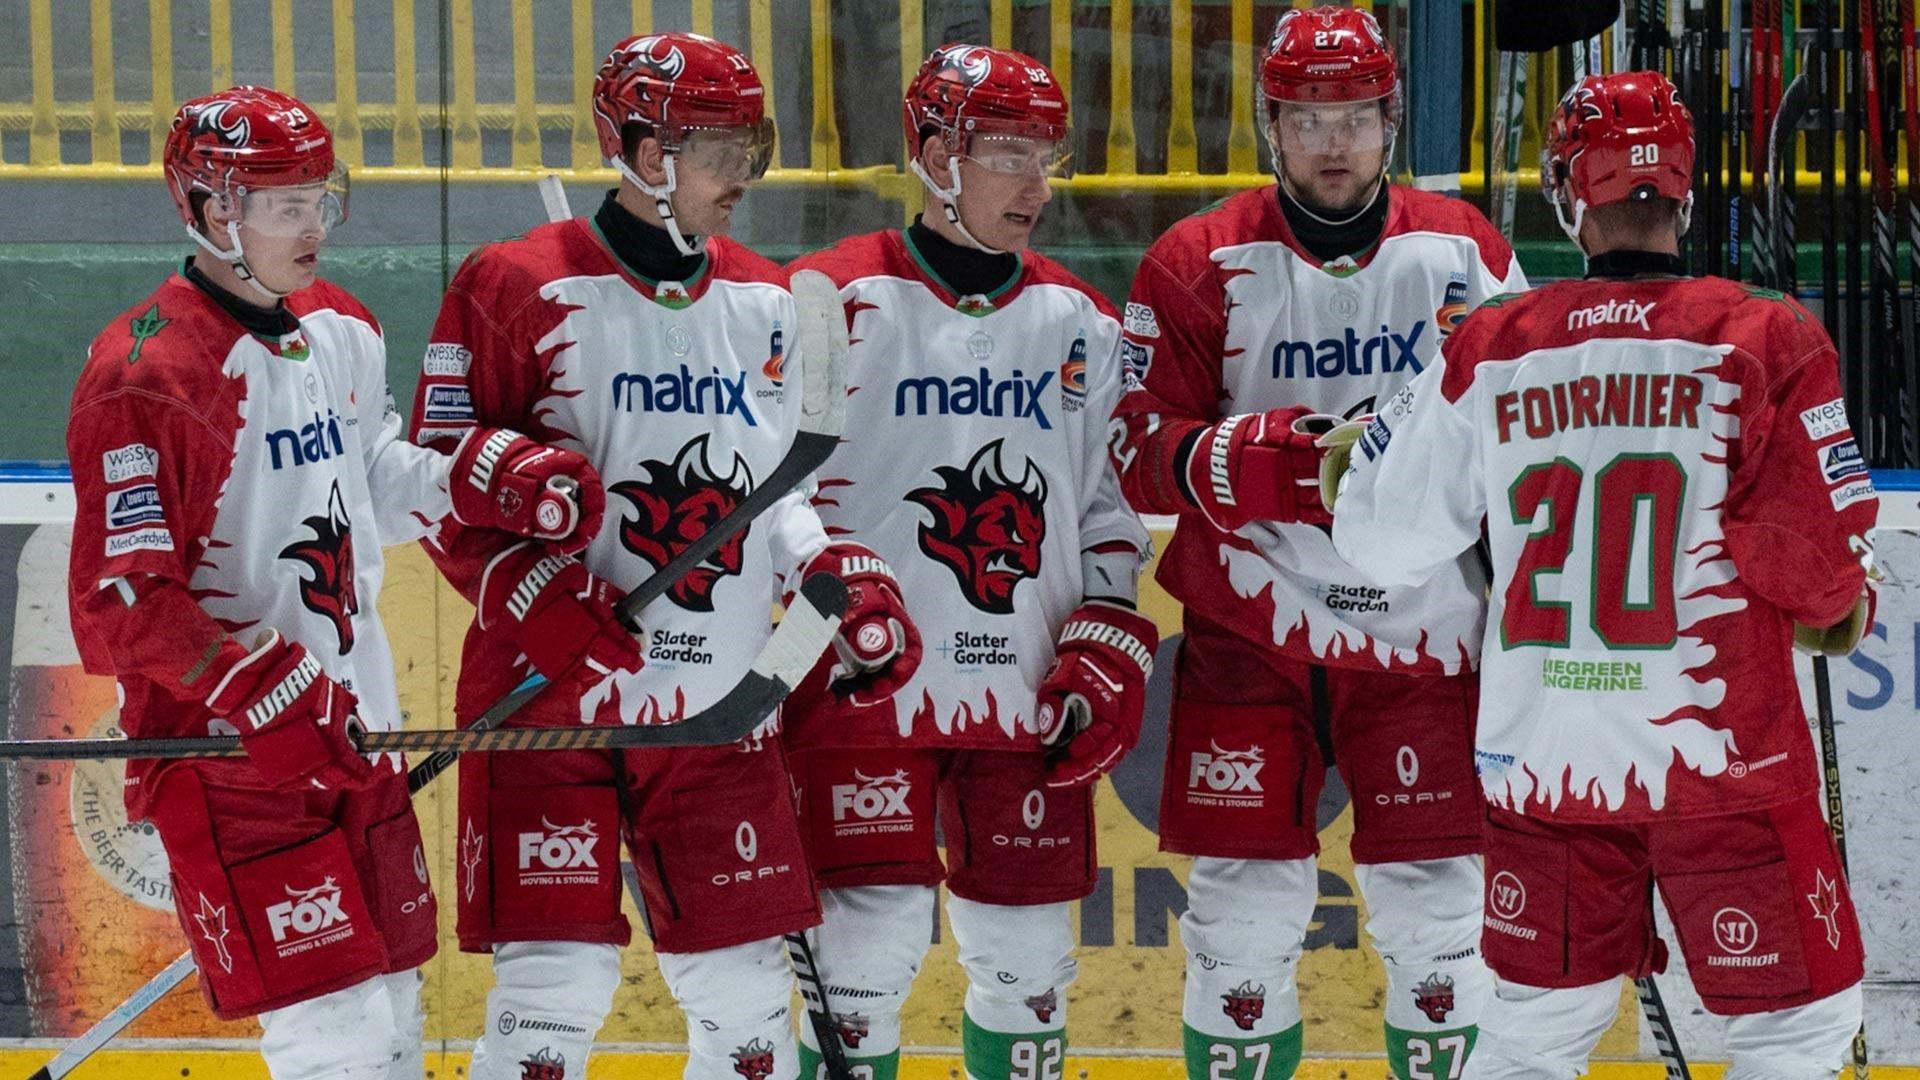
[(543, 1065), (1043, 1005), (970, 64), (676, 505), (1434, 996), (1245, 1004), (851, 1027), (215, 119), (330, 590), (986, 528), (754, 1060)]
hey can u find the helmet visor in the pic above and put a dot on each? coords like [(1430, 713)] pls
[(733, 155), (1332, 127), (298, 210), (1021, 155)]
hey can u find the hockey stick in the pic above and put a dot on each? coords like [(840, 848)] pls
[(1888, 349), (1910, 80), (823, 413), (1661, 1024)]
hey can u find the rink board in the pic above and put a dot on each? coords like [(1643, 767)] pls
[(86, 918)]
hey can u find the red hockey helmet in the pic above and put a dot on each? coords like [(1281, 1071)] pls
[(965, 90), (1614, 138), (679, 84), (247, 138), (1328, 54)]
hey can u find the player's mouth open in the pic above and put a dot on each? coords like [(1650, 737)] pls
[(309, 259), (1019, 219)]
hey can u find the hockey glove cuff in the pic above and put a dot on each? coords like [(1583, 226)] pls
[(878, 645), (1844, 636), (1091, 702), (562, 617), (503, 480), (1254, 467), (297, 725)]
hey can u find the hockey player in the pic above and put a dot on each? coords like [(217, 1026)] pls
[(983, 378), (1326, 293), (239, 465), (650, 341), (1665, 472)]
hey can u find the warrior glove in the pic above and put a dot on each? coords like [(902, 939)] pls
[(503, 480), (1091, 702), (296, 724)]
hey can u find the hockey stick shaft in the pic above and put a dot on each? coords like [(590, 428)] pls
[(1836, 811), (1660, 1022)]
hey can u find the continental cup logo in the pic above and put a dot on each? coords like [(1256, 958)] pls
[(1073, 376), (1453, 309)]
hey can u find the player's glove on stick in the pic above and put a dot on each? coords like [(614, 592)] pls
[(562, 617), (1092, 699), (1254, 467), (504, 480), (296, 723), (1335, 438), (1842, 637), (878, 645)]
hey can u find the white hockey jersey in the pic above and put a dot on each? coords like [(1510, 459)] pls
[(974, 462), (676, 392), (1230, 315), (263, 475)]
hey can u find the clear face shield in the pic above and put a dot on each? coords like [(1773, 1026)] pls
[(289, 212), (1331, 129), (732, 155), (1020, 155)]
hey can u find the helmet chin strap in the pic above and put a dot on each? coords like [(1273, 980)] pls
[(662, 201), (950, 201), (237, 259)]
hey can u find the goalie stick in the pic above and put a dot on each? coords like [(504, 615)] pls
[(823, 414)]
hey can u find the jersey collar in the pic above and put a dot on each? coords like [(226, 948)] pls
[(668, 294), (978, 305)]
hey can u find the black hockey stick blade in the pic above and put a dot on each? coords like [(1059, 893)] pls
[(823, 413), (1531, 26), (1660, 1022), (790, 652), (813, 994)]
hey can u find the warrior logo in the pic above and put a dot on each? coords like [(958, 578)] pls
[(212, 119), (970, 64), (645, 56), (1434, 996), (1245, 1004), (676, 505), (331, 591), (544, 1065), (754, 1060), (851, 1027), (986, 527), (1043, 1005)]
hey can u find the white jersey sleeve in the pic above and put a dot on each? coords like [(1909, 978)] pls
[(1105, 517)]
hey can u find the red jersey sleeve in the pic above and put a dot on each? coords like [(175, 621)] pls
[(1173, 331), (147, 474), (1800, 505)]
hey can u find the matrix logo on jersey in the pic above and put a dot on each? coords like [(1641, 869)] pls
[(309, 920), (674, 506), (712, 394), (316, 440), (1014, 397), (1383, 353), (559, 855), (1230, 778), (134, 506), (876, 804), (986, 527), (329, 591)]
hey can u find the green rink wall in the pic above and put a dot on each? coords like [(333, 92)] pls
[(58, 296)]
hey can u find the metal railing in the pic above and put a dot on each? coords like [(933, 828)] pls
[(414, 126)]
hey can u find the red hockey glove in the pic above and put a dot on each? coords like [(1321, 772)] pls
[(296, 724), (504, 480), (1255, 467), (561, 616), (1092, 699), (878, 645)]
